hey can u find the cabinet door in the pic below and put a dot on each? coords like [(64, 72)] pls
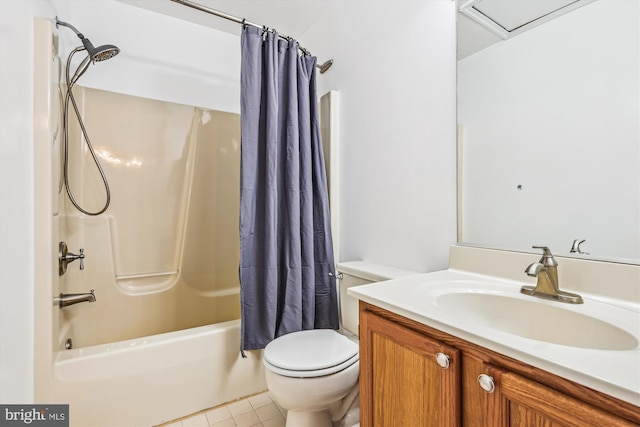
[(405, 378), (480, 408), (526, 403)]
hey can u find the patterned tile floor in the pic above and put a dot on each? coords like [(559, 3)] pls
[(254, 411)]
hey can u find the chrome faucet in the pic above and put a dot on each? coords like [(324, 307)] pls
[(547, 287), (65, 300)]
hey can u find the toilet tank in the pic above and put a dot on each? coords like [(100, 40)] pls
[(357, 273)]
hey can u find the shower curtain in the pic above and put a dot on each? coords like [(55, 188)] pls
[(287, 275)]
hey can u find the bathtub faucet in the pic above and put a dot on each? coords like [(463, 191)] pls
[(69, 299), (65, 257)]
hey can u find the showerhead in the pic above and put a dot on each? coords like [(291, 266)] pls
[(324, 67), (97, 54), (100, 53)]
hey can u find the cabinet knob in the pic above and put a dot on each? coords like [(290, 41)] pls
[(443, 360), (486, 383)]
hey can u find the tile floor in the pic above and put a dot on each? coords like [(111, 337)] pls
[(254, 411)]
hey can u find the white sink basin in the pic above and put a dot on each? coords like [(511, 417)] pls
[(592, 325)]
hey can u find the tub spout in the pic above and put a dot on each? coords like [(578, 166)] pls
[(69, 299)]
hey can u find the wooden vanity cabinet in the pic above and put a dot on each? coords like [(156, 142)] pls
[(406, 378), (405, 382)]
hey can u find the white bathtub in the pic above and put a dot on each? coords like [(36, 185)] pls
[(151, 380)]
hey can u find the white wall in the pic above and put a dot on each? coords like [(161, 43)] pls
[(395, 69), (16, 198), (556, 110)]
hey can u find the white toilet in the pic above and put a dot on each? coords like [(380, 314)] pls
[(314, 374)]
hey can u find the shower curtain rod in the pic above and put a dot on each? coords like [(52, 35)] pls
[(323, 67)]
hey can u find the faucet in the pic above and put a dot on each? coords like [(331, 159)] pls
[(575, 247), (69, 299), (547, 287)]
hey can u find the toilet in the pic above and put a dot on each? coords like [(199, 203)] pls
[(313, 374)]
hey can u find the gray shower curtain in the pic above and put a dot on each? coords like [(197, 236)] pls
[(287, 275)]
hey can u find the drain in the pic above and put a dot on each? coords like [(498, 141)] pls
[(69, 344)]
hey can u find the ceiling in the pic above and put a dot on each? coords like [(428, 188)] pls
[(482, 23)]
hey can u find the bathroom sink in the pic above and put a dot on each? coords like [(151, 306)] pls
[(593, 325)]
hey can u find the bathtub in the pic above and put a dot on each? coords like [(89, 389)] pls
[(152, 380)]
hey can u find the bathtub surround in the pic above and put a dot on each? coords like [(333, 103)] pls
[(165, 255), (287, 271)]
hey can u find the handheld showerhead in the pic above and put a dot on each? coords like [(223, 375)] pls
[(94, 54), (97, 54), (100, 53)]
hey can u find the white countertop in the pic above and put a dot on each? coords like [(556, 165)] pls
[(613, 372)]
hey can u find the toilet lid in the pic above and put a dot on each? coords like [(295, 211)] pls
[(307, 352)]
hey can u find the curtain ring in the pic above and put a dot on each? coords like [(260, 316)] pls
[(244, 23)]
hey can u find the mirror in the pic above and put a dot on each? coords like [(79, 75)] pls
[(549, 133)]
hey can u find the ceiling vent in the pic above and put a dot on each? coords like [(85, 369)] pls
[(508, 18)]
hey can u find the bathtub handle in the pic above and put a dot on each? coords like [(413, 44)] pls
[(65, 257)]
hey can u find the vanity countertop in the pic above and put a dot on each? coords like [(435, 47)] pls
[(613, 372)]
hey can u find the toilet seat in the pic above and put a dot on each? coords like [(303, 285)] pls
[(310, 353)]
